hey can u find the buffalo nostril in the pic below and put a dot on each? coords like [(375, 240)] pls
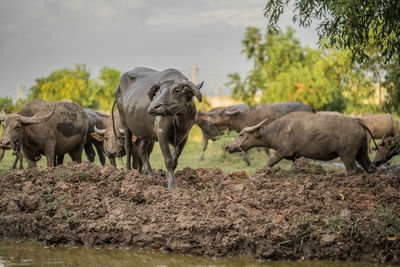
[(227, 148)]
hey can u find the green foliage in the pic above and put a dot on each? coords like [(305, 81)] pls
[(76, 85), (105, 86), (66, 84), (392, 85), (285, 71), (350, 24), (6, 102)]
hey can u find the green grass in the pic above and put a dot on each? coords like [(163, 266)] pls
[(215, 156)]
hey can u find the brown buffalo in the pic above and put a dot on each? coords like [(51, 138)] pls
[(310, 135), (387, 149), (380, 125), (49, 128)]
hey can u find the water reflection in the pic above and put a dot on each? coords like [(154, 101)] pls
[(17, 253)]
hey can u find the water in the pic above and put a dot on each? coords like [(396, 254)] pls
[(24, 253)]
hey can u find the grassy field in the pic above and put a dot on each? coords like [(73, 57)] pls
[(215, 156)]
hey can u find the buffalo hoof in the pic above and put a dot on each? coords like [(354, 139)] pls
[(172, 186)]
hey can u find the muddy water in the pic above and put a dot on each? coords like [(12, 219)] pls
[(17, 253)]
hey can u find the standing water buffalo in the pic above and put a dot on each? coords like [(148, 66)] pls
[(157, 106), (310, 135), (49, 128), (380, 125), (94, 120), (113, 145), (387, 148)]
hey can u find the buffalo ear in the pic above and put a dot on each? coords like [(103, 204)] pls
[(257, 132), (205, 117), (97, 137), (153, 90)]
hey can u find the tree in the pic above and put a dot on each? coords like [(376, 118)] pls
[(285, 71), (107, 80), (349, 24), (7, 102), (392, 85), (66, 84)]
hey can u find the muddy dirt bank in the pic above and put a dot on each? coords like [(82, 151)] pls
[(302, 213)]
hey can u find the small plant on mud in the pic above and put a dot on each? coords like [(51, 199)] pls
[(336, 223), (83, 175), (389, 228), (57, 201)]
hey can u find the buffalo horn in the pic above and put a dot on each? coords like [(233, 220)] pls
[(383, 139), (35, 119), (254, 128), (101, 132), (232, 112), (194, 89)]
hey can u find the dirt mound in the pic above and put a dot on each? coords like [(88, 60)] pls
[(302, 213)]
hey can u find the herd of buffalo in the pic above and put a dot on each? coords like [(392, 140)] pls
[(159, 106)]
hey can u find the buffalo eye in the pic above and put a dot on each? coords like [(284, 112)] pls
[(177, 90), (241, 134)]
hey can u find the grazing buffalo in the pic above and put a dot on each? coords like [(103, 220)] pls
[(94, 120), (49, 128), (310, 135), (208, 129), (236, 119), (387, 148), (380, 125), (157, 106)]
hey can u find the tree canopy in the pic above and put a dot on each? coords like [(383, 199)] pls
[(352, 24), (283, 70), (76, 85)]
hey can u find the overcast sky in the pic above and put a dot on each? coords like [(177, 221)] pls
[(40, 36)]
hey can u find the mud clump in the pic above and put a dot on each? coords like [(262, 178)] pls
[(302, 213)]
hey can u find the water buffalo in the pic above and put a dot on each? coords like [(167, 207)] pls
[(380, 125), (387, 148), (211, 131), (157, 106), (94, 120), (236, 119), (310, 135), (49, 128), (208, 129)]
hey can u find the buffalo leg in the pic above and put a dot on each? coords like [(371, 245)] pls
[(128, 147), (14, 165), (350, 164), (60, 160), (278, 156), (369, 143), (143, 154), (204, 143), (100, 151), (168, 160), (245, 157), (2, 154), (76, 154), (363, 159), (50, 154), (89, 151), (21, 159), (267, 153)]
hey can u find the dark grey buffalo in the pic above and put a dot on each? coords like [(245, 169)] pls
[(94, 120), (310, 135), (211, 131), (387, 148), (49, 128), (157, 106)]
